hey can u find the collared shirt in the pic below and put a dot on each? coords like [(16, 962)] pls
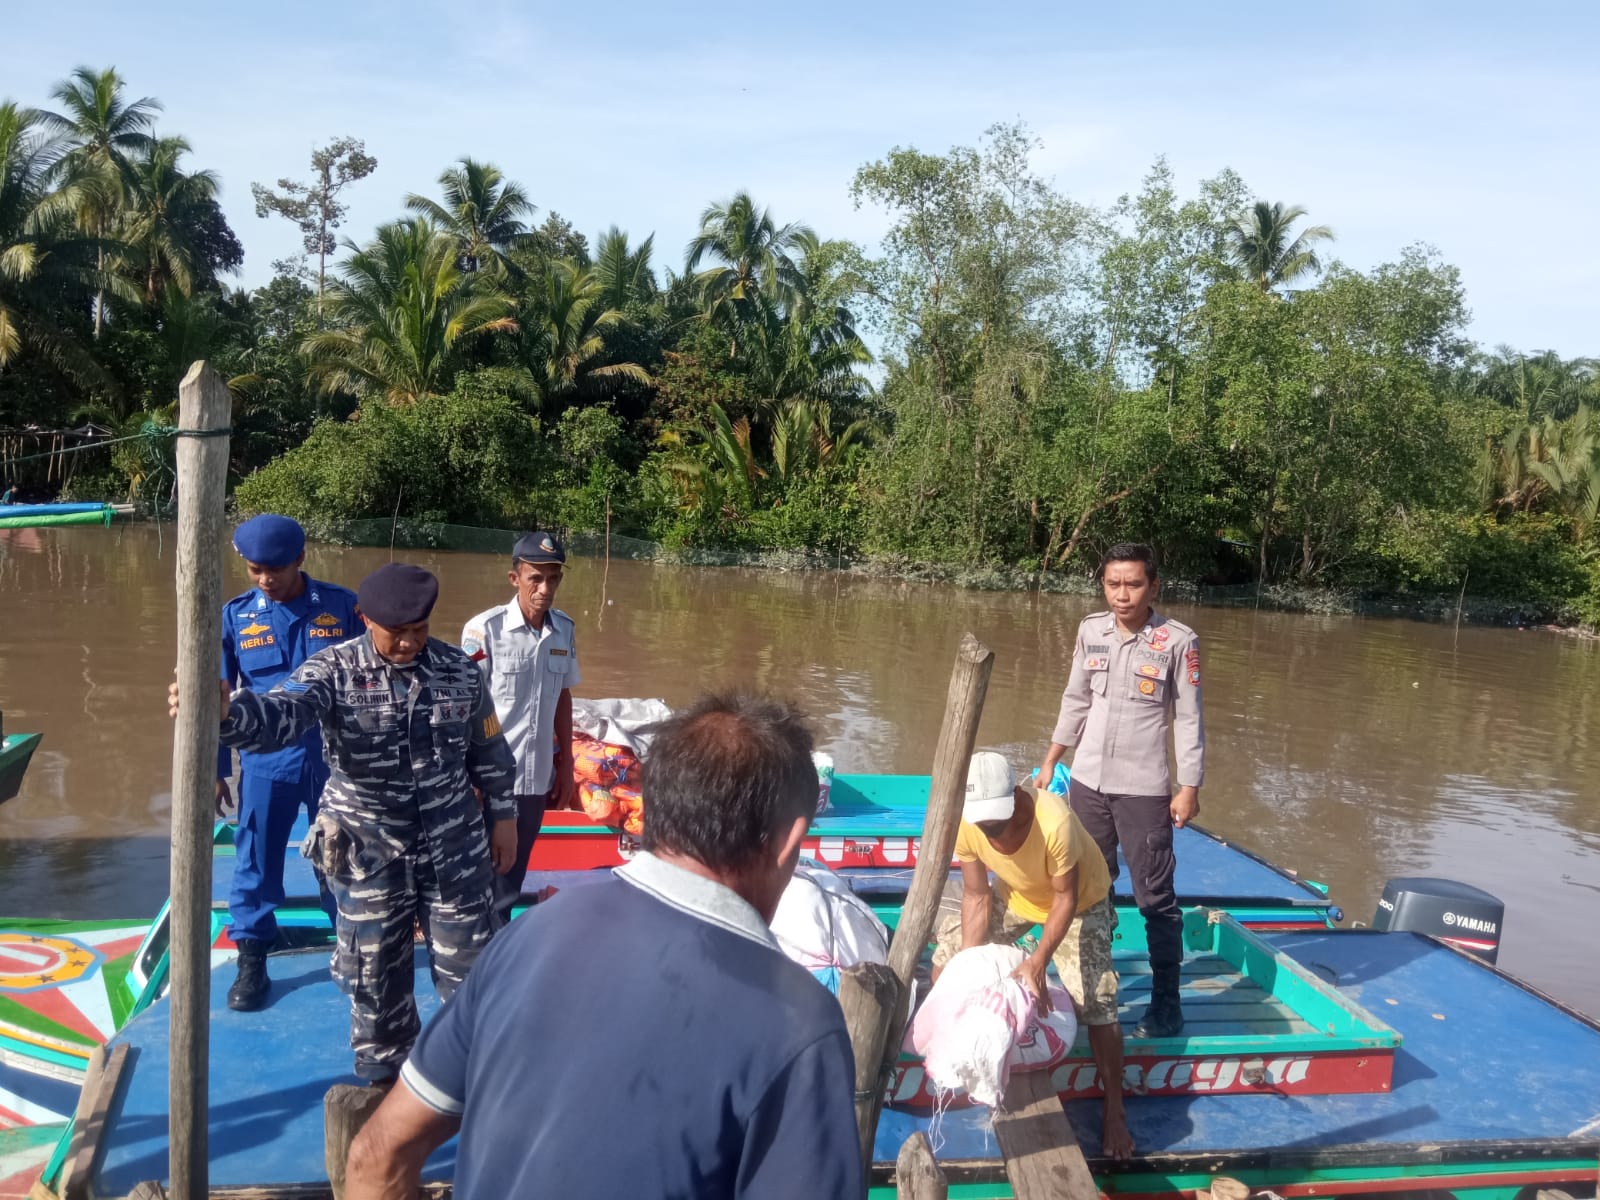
[(527, 670), (263, 640), (1122, 694), (719, 1068)]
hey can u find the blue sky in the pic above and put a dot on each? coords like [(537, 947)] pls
[(1468, 126)]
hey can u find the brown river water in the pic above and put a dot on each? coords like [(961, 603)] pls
[(1348, 749)]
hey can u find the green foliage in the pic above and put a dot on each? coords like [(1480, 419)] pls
[(1182, 369), (403, 312), (1520, 558), (470, 457)]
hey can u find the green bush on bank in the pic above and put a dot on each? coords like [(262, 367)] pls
[(471, 457)]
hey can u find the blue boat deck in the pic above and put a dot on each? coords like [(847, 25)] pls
[(1483, 1059)]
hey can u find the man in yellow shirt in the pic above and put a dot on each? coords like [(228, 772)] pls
[(1048, 872)]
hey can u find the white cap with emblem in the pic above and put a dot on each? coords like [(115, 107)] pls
[(991, 789)]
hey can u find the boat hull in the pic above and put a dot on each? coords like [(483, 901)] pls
[(16, 750)]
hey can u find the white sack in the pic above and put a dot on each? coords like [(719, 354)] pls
[(821, 923), (979, 1023)]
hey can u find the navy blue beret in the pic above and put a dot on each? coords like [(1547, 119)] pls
[(397, 594), (538, 547), (270, 540)]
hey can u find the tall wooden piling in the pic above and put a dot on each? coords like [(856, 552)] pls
[(874, 1005), (969, 684), (204, 408)]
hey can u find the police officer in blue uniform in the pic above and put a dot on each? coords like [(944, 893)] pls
[(266, 633)]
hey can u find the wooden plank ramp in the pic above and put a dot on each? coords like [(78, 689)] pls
[(1043, 1158)]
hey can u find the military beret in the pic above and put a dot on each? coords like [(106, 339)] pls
[(397, 594), (270, 540), (538, 547)]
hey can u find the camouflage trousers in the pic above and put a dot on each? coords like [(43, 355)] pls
[(1083, 960), (374, 961)]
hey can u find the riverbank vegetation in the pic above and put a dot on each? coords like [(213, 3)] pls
[(1010, 378)]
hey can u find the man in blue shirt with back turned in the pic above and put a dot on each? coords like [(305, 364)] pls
[(643, 1036), (266, 633)]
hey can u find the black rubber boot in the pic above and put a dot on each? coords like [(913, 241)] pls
[(1164, 1017), (249, 990)]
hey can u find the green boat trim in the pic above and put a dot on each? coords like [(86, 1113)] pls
[(16, 749)]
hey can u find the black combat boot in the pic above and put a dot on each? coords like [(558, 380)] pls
[(1164, 1017), (249, 990)]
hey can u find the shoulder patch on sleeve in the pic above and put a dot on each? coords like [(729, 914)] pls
[(491, 725)]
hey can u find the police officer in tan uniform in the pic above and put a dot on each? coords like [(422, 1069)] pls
[(1135, 674)]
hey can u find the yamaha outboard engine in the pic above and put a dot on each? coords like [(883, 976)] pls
[(1468, 918)]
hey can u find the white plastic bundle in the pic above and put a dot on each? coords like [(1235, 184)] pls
[(619, 722), (824, 926), (979, 1022)]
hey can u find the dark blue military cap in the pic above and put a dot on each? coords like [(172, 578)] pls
[(270, 540), (397, 594), (538, 547)]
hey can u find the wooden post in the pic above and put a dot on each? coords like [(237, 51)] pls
[(916, 1175), (869, 994), (86, 1147), (969, 682), (204, 404), (345, 1109), (875, 1010)]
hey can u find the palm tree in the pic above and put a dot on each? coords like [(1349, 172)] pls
[(162, 220), (754, 264), (404, 310), (104, 131), (47, 263), (803, 440), (482, 210), (719, 476), (1569, 468), (568, 327), (1260, 244), (624, 274)]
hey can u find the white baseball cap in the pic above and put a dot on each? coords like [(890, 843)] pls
[(991, 789)]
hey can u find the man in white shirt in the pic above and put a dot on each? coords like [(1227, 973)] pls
[(528, 651)]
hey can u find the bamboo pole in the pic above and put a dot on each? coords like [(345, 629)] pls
[(875, 1007), (204, 405)]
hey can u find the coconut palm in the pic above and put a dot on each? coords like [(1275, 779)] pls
[(161, 224), (566, 322), (47, 263), (103, 132), (404, 311), (1260, 244), (752, 256), (482, 210), (624, 273)]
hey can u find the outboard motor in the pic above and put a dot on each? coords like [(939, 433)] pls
[(1468, 918)]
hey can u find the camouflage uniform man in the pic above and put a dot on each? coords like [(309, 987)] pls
[(410, 730)]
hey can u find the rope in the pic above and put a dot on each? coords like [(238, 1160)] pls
[(150, 432)]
